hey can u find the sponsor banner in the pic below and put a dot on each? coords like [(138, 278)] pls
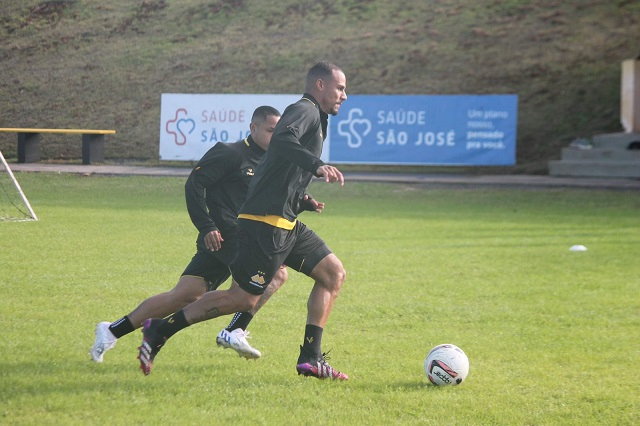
[(470, 130), (478, 130), (191, 124)]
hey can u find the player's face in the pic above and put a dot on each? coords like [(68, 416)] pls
[(262, 132), (334, 93)]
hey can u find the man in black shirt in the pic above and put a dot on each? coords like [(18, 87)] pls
[(214, 191), (270, 234)]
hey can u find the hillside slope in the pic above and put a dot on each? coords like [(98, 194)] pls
[(102, 64)]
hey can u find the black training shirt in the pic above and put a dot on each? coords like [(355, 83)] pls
[(217, 186), (293, 157)]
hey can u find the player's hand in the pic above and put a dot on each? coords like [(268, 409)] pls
[(313, 204), (213, 240), (330, 174)]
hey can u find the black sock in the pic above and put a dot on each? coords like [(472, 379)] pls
[(312, 346), (121, 327), (172, 324), (240, 320)]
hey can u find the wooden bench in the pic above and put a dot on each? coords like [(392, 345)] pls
[(29, 143)]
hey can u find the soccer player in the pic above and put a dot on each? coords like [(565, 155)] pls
[(269, 233), (215, 190)]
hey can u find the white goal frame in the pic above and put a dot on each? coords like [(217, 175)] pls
[(18, 188)]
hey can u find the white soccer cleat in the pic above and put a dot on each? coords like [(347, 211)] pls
[(105, 340), (237, 340)]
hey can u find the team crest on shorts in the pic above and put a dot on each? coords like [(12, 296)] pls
[(258, 279)]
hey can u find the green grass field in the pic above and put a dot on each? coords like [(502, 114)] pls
[(552, 335)]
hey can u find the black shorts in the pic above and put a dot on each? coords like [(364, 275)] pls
[(262, 248), (208, 266)]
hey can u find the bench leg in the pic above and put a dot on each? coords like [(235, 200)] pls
[(92, 149), (28, 147)]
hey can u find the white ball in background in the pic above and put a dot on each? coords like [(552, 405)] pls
[(578, 248)]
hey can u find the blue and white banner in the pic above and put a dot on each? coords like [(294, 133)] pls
[(470, 130), (467, 130), (191, 124)]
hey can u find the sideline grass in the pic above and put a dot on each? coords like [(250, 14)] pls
[(551, 334)]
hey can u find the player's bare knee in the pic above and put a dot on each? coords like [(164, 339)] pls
[(189, 298), (337, 272), (330, 273), (341, 277), (279, 278), (251, 303), (184, 298), (188, 290), (335, 277), (242, 301)]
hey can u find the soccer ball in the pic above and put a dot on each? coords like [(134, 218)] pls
[(446, 365)]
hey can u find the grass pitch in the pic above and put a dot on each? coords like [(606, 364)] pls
[(551, 334)]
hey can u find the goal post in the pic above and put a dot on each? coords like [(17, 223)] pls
[(14, 205)]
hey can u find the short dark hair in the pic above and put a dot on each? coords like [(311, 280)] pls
[(320, 70), (262, 112)]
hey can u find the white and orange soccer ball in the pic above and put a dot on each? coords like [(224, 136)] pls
[(446, 365)]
